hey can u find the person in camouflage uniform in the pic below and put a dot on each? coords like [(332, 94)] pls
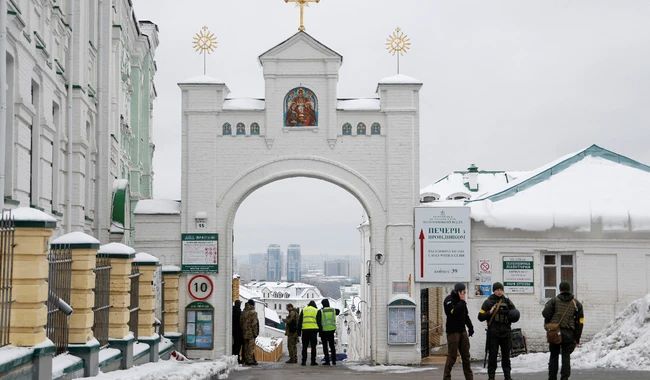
[(251, 328), (291, 331)]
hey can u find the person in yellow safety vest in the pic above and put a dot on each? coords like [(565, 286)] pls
[(308, 327), (326, 319)]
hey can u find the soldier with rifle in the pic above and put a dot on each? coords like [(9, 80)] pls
[(499, 312)]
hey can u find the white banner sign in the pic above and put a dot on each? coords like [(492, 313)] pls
[(442, 244), (518, 274)]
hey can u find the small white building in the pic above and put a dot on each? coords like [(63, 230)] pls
[(584, 218)]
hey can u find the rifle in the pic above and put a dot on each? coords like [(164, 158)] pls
[(487, 346), (487, 333)]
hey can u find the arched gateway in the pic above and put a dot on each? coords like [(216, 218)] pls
[(231, 147)]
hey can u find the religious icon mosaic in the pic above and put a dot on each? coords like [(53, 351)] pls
[(347, 129), (255, 129), (361, 129), (300, 108), (227, 130), (375, 129), (241, 129)]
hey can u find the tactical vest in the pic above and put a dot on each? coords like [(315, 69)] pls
[(328, 319), (309, 318), (501, 315), (568, 321)]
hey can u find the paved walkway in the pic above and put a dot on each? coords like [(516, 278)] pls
[(282, 371)]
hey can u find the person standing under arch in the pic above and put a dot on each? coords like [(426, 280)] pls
[(237, 333), (309, 329), (326, 319)]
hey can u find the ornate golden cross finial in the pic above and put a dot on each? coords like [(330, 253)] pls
[(398, 43), (204, 42), (302, 4)]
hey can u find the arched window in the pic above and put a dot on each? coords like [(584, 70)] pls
[(227, 130), (286, 295), (347, 129), (458, 196), (375, 129), (255, 129), (300, 108), (241, 129), (361, 129)]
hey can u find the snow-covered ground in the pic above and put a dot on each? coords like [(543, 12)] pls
[(623, 344)]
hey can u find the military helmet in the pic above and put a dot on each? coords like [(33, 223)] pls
[(513, 315)]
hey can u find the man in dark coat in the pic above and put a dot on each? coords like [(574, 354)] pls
[(308, 326), (237, 333), (457, 338), (495, 311), (251, 329), (326, 319), (568, 309)]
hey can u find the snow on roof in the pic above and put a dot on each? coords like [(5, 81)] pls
[(28, 214), (456, 184), (171, 268), (247, 293), (271, 314), (243, 104), (116, 248), (592, 186), (400, 79), (369, 104), (201, 79), (158, 207), (120, 184), (143, 257), (76, 237)]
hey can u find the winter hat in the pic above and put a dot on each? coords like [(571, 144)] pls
[(238, 304), (459, 287), (251, 302), (497, 286), (312, 304), (565, 286), (325, 303)]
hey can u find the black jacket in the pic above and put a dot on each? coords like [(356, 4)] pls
[(500, 326), (571, 325), (237, 332), (457, 315)]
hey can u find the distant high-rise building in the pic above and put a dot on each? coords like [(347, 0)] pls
[(273, 263), (255, 259), (293, 262), (336, 268)]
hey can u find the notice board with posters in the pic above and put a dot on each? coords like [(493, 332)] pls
[(401, 321), (199, 326)]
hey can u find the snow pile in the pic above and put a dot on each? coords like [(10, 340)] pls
[(624, 343), (176, 370), (389, 368)]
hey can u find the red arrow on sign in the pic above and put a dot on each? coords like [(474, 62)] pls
[(421, 253)]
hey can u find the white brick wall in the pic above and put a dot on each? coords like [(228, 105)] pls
[(611, 270), (381, 171)]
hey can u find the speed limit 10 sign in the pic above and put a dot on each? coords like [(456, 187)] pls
[(200, 287)]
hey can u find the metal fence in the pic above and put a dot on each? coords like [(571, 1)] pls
[(134, 306), (58, 300), (102, 299), (6, 274)]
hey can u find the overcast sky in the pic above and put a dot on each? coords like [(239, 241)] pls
[(507, 85)]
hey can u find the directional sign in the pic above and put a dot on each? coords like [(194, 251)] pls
[(200, 287), (443, 244)]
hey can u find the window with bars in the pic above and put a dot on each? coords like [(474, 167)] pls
[(558, 267)]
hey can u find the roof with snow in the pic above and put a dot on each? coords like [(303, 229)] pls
[(243, 104), (400, 79), (361, 104), (456, 184), (593, 185), (157, 207), (300, 36), (201, 79)]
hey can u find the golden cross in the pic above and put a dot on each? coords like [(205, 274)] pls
[(302, 4)]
